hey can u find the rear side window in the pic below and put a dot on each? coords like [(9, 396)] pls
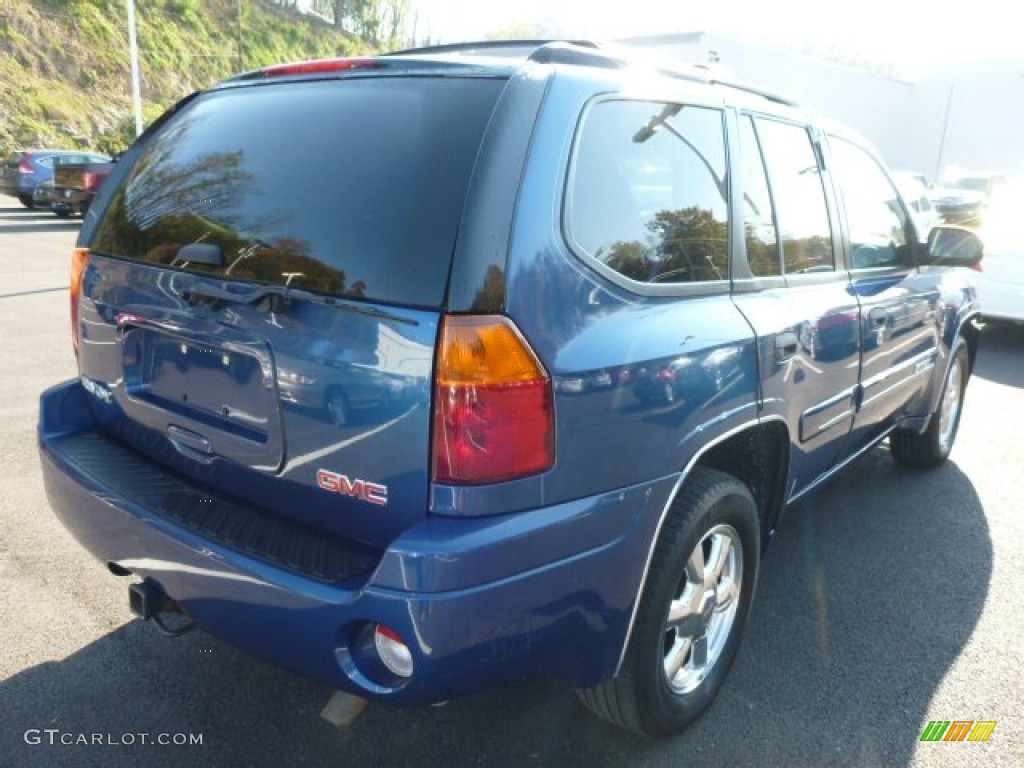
[(648, 192), (353, 188)]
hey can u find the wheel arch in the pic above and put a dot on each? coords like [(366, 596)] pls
[(758, 455), (971, 334), (759, 458)]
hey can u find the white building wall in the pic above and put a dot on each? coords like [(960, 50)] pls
[(906, 121), (985, 128)]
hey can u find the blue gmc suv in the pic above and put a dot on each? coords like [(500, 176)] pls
[(509, 369)]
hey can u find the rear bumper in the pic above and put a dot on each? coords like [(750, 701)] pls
[(1000, 299), (480, 601), (66, 198)]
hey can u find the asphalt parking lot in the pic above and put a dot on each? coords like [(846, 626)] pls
[(888, 599)]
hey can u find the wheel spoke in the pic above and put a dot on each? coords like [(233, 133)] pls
[(950, 402), (695, 566), (727, 592), (676, 656), (721, 548), (699, 656)]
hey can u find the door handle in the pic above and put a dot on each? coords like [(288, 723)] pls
[(877, 318)]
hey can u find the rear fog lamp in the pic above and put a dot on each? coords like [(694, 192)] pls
[(393, 652)]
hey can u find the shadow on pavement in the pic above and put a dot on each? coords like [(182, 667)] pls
[(1001, 354), (867, 597)]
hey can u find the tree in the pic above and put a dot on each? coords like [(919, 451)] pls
[(340, 12)]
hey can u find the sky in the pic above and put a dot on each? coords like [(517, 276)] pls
[(912, 34)]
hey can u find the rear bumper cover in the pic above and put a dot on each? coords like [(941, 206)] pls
[(479, 601)]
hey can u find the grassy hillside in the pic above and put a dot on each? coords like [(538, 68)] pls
[(64, 67)]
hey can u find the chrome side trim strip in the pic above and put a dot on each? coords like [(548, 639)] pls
[(841, 466)]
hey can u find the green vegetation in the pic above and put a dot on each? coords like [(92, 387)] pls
[(64, 67)]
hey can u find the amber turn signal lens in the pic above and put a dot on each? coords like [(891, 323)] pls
[(493, 408), (79, 260)]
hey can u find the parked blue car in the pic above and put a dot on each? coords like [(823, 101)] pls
[(513, 374), (25, 170)]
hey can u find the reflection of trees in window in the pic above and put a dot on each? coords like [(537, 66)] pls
[(244, 260), (167, 205), (808, 254), (762, 256), (690, 245), (491, 295)]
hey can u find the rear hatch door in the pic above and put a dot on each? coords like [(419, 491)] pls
[(264, 292)]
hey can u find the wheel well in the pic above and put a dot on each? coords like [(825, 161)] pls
[(759, 457)]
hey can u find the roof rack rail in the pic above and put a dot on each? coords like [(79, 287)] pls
[(589, 53), (508, 47), (568, 52), (740, 85)]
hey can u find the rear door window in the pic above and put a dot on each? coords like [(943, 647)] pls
[(801, 210), (353, 188)]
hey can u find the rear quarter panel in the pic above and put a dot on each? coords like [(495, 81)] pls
[(604, 346)]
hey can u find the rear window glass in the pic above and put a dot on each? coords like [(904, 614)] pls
[(59, 160), (352, 188)]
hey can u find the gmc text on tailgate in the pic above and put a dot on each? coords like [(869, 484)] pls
[(421, 373)]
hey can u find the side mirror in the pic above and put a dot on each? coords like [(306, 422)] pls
[(953, 247)]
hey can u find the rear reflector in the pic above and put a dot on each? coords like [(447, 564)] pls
[(493, 409), (320, 65), (25, 167), (79, 260)]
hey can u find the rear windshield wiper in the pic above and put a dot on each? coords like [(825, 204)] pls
[(280, 297)]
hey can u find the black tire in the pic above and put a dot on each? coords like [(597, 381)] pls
[(26, 200), (62, 213), (713, 510), (931, 448)]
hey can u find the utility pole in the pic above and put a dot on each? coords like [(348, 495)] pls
[(241, 49), (133, 53), (945, 129)]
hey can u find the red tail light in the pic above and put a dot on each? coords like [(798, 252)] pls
[(25, 166), (493, 408), (79, 260), (88, 180)]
